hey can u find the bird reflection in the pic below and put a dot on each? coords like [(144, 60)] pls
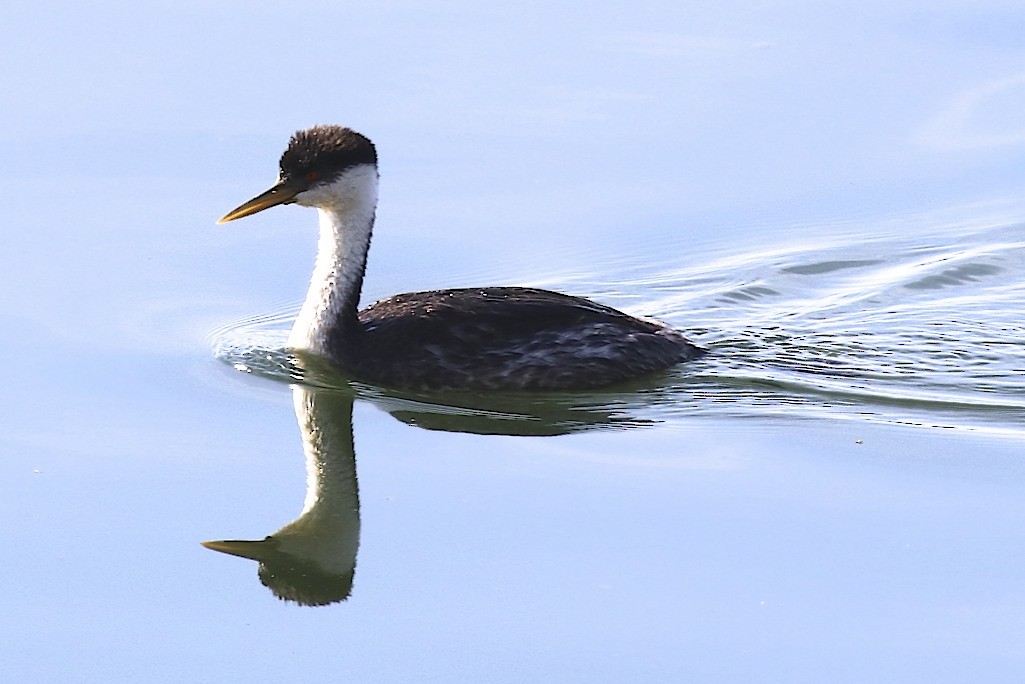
[(523, 415), (312, 559)]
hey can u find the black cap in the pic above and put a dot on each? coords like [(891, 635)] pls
[(322, 152)]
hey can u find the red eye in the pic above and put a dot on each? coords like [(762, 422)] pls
[(312, 176)]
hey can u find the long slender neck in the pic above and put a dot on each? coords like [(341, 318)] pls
[(326, 533), (331, 507), (346, 207)]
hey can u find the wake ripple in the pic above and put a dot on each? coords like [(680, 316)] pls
[(921, 330)]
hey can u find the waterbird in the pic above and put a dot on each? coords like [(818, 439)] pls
[(483, 338)]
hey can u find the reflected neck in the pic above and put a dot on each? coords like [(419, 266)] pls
[(325, 423), (327, 530)]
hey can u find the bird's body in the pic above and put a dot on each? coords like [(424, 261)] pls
[(504, 338), (512, 338)]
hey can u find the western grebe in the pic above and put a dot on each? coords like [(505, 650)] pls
[(511, 338)]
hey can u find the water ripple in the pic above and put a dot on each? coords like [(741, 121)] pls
[(904, 332), (925, 331)]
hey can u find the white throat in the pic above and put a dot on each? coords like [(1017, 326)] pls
[(346, 207)]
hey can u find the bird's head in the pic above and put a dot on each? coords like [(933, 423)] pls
[(323, 166)]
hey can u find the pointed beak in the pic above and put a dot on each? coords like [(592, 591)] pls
[(253, 550), (283, 192)]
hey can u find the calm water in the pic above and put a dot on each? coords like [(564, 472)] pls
[(828, 199)]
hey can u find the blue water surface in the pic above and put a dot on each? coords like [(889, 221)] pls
[(826, 196)]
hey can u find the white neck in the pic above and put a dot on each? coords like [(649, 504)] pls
[(346, 207), (327, 530)]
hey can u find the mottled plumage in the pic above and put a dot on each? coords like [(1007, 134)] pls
[(504, 338)]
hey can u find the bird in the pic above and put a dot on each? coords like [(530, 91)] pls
[(502, 338)]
